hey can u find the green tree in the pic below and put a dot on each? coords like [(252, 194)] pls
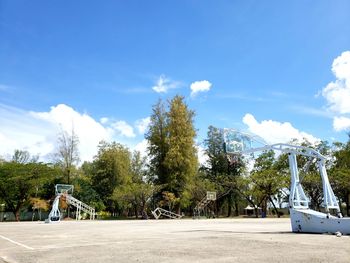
[(111, 169), (158, 145), (20, 156), (218, 163), (169, 200), (181, 159), (137, 194), (267, 182), (222, 171), (135, 197), (85, 192), (20, 181), (340, 173), (172, 151)]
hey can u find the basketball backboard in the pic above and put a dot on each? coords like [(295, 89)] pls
[(211, 196), (64, 189)]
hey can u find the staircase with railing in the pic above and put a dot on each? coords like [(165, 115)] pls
[(200, 207), (80, 206)]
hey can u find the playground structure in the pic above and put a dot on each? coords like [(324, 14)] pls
[(158, 212), (65, 192), (202, 205), (303, 219)]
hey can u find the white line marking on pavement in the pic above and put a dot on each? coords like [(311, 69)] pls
[(17, 243)]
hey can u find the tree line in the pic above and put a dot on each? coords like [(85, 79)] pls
[(121, 183)]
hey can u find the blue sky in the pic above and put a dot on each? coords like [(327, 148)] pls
[(100, 61)]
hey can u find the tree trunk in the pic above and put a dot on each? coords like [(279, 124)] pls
[(17, 216), (274, 207), (16, 211), (236, 208), (348, 205), (229, 205), (136, 213), (256, 211)]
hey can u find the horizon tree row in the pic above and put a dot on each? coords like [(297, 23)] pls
[(122, 183)]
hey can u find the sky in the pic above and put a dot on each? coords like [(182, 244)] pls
[(278, 69)]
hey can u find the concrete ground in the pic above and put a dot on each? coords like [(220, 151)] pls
[(185, 240)]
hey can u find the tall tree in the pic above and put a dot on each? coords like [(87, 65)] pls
[(221, 171), (173, 156), (181, 159), (67, 155), (217, 160), (158, 144)]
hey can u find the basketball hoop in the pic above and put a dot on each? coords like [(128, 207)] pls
[(237, 142), (211, 196), (64, 189)]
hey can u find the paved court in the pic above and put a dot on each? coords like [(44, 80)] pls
[(187, 240)]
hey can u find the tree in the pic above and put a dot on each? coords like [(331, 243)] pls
[(67, 155), (20, 156), (84, 190), (158, 144), (267, 182), (169, 200), (134, 196), (217, 160), (172, 151), (138, 193), (19, 181), (111, 169), (181, 159), (221, 171), (340, 173)]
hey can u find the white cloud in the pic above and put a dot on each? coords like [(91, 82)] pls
[(276, 132), (164, 84), (37, 132), (123, 128), (337, 93), (202, 155), (104, 120), (89, 131), (142, 124), (200, 86), (341, 123), (142, 148)]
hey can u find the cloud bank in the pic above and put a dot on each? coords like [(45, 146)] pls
[(337, 93), (37, 132), (276, 132)]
